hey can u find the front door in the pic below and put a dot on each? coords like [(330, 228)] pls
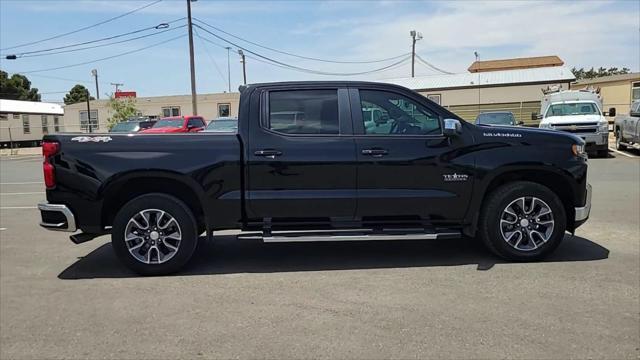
[(407, 169), (301, 157)]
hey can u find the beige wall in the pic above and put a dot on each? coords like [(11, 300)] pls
[(150, 106), (521, 100)]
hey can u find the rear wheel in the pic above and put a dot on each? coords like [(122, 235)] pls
[(154, 234), (522, 221)]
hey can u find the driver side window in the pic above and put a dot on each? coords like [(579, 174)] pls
[(387, 113)]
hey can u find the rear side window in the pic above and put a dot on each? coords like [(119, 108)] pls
[(304, 112)]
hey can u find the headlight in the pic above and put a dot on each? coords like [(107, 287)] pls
[(545, 126), (603, 126), (578, 150)]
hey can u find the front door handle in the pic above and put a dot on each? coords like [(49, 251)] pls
[(268, 153), (375, 152)]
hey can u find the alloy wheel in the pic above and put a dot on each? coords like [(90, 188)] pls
[(152, 236), (526, 223)]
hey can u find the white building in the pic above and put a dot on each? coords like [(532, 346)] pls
[(23, 123)]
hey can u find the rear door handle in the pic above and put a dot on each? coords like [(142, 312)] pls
[(375, 152), (268, 153)]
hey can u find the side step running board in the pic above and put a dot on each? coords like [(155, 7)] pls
[(315, 236)]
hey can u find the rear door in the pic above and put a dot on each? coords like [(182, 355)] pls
[(406, 167), (195, 124), (301, 156)]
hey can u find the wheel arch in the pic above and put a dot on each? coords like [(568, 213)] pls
[(557, 182), (122, 189)]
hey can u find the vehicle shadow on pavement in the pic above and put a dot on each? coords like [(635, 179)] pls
[(226, 255)]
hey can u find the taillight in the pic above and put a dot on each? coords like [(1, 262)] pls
[(49, 148)]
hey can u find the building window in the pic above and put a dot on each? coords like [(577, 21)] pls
[(4, 117), (171, 111), (84, 122), (16, 116), (45, 124), (56, 124), (26, 128), (224, 110), (635, 91), (434, 97)]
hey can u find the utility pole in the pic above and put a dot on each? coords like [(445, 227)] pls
[(89, 114), (117, 85), (194, 101), (477, 60), (228, 67), (94, 72), (415, 36), (244, 68)]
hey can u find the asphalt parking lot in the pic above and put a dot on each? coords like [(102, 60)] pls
[(430, 299)]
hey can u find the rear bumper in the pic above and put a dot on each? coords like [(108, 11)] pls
[(582, 212), (57, 217)]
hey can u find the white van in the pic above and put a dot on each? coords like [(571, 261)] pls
[(578, 112)]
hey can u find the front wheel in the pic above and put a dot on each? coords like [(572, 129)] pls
[(522, 221), (154, 234)]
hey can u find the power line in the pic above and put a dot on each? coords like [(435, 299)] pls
[(209, 56), (83, 28), (430, 65), (300, 56), (157, 27), (63, 79), (293, 67), (103, 45), (105, 58)]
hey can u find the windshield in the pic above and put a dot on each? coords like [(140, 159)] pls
[(126, 126), (174, 123), (495, 119), (223, 126), (567, 109)]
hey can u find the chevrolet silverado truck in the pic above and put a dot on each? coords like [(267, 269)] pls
[(420, 172), (627, 128), (578, 112)]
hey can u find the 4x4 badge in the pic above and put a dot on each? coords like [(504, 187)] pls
[(91, 139)]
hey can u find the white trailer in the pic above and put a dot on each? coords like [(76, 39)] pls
[(23, 123)]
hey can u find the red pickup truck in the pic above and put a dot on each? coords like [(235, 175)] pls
[(179, 124)]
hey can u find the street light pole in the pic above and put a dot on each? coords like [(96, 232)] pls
[(244, 63), (94, 72), (415, 36), (194, 102), (229, 67)]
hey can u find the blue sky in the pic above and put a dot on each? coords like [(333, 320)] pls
[(586, 33)]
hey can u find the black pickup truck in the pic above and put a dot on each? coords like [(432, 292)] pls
[(319, 161)]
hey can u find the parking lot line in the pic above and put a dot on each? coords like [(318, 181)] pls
[(623, 153), (23, 193), (17, 207)]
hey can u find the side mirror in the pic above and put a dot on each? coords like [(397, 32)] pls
[(611, 112), (452, 127), (634, 113), (536, 116), (520, 123)]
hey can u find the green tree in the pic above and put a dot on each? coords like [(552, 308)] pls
[(17, 87), (121, 109), (77, 94), (581, 73)]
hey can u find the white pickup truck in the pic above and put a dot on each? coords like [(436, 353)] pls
[(578, 112), (627, 128)]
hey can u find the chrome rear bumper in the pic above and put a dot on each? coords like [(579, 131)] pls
[(68, 224), (582, 213)]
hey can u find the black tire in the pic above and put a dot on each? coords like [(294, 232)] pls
[(492, 212), (603, 153), (619, 138), (182, 215)]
